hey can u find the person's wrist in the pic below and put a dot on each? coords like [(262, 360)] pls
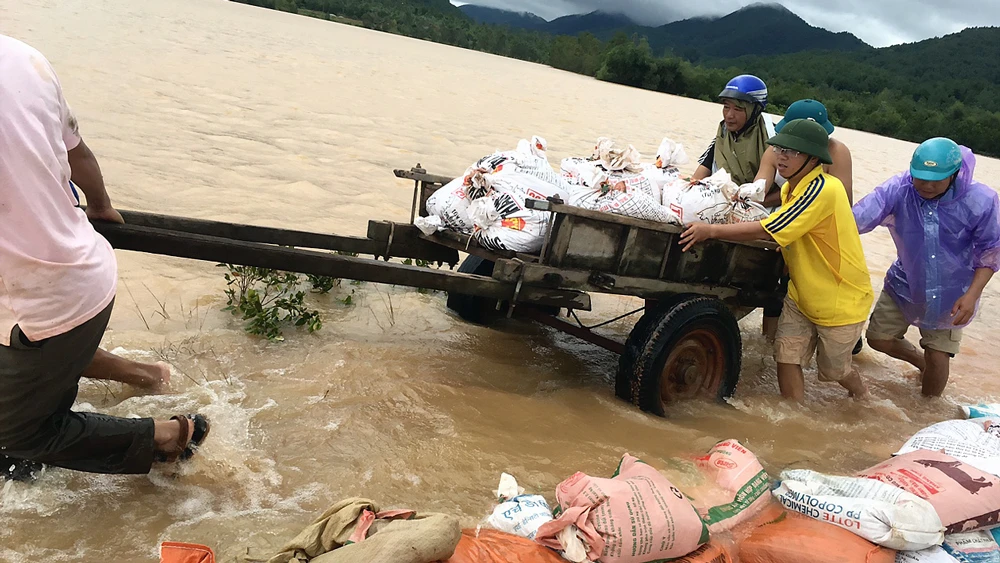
[(99, 204)]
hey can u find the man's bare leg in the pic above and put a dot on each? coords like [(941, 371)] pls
[(769, 327), (791, 382), (105, 365), (855, 385), (935, 375), (901, 350)]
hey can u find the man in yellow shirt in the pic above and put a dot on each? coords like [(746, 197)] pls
[(830, 293)]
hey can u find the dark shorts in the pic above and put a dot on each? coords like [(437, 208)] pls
[(38, 386)]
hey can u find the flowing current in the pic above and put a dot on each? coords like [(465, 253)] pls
[(212, 109)]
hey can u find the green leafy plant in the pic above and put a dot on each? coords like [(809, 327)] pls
[(322, 284), (268, 301)]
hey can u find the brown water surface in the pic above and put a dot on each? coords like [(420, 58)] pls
[(212, 109)]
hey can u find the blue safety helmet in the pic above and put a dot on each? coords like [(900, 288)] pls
[(748, 88), (936, 159)]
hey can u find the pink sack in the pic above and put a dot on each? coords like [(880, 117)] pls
[(737, 486), (635, 517), (964, 497)]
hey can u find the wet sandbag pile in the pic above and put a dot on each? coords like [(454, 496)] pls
[(489, 201), (936, 501)]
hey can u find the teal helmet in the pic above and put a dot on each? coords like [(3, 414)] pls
[(936, 159), (806, 109)]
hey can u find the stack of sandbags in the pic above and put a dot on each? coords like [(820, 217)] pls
[(966, 499), (506, 179), (616, 182)]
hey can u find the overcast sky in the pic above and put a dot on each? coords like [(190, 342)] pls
[(877, 22)]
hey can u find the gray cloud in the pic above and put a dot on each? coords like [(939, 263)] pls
[(878, 22)]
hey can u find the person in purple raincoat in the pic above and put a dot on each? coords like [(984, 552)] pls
[(947, 233)]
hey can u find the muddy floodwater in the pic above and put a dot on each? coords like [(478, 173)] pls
[(217, 110)]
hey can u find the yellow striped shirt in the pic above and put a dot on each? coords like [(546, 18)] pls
[(819, 238)]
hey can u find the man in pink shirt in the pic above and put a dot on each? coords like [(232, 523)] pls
[(58, 279)]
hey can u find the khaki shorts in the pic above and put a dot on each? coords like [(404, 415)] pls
[(798, 339), (888, 323)]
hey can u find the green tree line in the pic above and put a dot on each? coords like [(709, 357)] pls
[(882, 93)]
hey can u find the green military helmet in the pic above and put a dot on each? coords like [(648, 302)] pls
[(936, 159), (805, 136), (806, 109)]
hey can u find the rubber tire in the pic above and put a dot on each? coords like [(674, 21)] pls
[(667, 327), (478, 310), (634, 345)]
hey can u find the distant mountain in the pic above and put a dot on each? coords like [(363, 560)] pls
[(760, 29), (601, 24), (496, 16)]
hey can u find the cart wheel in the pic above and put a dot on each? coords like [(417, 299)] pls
[(479, 310), (692, 349), (635, 343)]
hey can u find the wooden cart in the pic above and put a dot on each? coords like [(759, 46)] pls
[(685, 344)]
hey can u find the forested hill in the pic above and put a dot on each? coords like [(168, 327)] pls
[(932, 88), (759, 29)]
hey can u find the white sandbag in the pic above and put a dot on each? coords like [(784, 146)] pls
[(574, 169), (670, 154), (743, 211), (637, 181), (754, 191), (880, 513), (528, 159), (935, 554), (539, 147), (429, 225), (705, 201), (451, 204), (975, 442), (972, 547), (981, 411), (518, 513), (601, 192), (501, 218), (616, 158)]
